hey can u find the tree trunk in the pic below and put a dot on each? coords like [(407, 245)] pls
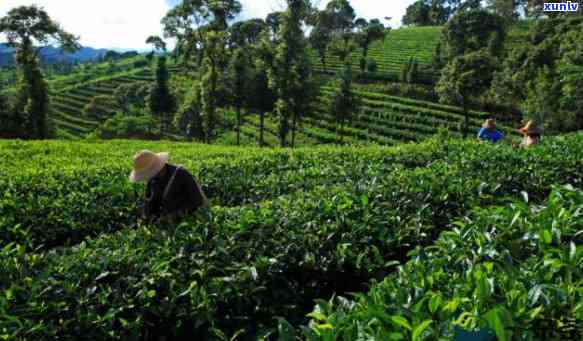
[(261, 128), (238, 125), (293, 141), (466, 120)]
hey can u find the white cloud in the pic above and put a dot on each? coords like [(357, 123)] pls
[(103, 23), (127, 23)]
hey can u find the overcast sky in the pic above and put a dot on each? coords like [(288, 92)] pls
[(127, 23)]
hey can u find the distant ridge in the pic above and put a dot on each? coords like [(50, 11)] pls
[(52, 55)]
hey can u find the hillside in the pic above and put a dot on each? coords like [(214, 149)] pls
[(391, 54), (51, 55), (401, 44), (380, 119), (472, 231)]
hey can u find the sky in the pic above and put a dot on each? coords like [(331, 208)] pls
[(127, 23)]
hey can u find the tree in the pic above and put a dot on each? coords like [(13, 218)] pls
[(10, 119), (161, 101), (467, 76), (261, 96), (367, 33), (189, 119), (190, 20), (507, 9), (417, 14), (245, 33), (472, 30), (321, 35), (157, 43), (213, 91), (344, 102), (128, 97), (25, 27), (429, 12), (238, 72), (290, 76), (273, 21)]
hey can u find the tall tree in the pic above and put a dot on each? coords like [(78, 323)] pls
[(273, 21), (465, 77), (213, 91), (25, 27), (507, 9), (321, 34), (161, 100), (10, 119), (367, 33), (190, 20), (290, 76), (189, 120), (157, 43), (344, 102), (471, 30), (238, 72), (262, 97), (248, 32)]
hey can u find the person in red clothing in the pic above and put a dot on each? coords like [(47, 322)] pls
[(171, 191)]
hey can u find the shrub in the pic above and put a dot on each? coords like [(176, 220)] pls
[(371, 65), (122, 126)]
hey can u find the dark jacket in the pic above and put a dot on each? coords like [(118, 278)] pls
[(183, 195)]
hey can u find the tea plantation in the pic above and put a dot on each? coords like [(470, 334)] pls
[(417, 241)]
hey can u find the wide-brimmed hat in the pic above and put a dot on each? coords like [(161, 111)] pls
[(489, 123), (531, 128), (147, 165)]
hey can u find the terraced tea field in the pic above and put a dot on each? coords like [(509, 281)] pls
[(68, 103), (380, 119), (426, 233), (401, 44), (394, 52)]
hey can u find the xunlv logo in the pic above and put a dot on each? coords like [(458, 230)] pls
[(561, 6)]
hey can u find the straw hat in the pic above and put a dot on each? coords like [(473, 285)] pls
[(147, 165), (530, 128), (490, 123)]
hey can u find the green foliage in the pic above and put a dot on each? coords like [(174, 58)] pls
[(511, 270), (473, 30), (24, 27), (213, 82), (131, 96), (157, 43), (238, 82), (367, 33), (344, 103), (124, 126), (189, 119), (410, 71), (99, 107), (371, 65), (280, 219), (543, 76), (161, 101), (290, 73), (466, 77)]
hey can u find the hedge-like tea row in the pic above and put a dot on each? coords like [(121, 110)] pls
[(513, 272), (57, 194), (245, 265)]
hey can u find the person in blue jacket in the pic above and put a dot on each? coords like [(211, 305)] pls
[(488, 132)]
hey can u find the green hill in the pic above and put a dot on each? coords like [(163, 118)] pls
[(68, 102), (392, 53)]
